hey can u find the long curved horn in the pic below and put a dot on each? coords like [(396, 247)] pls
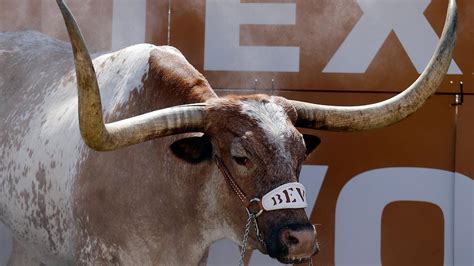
[(100, 136), (364, 117)]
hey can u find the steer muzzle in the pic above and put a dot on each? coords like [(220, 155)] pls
[(293, 243)]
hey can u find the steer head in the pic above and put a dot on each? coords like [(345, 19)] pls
[(252, 139), (260, 149)]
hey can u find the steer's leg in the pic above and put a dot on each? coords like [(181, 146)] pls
[(20, 256)]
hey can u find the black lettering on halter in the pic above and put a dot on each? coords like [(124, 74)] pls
[(289, 195), (301, 193), (279, 198)]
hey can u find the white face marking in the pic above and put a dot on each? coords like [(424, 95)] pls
[(272, 119)]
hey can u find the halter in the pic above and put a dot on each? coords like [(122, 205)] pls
[(253, 206), (287, 196)]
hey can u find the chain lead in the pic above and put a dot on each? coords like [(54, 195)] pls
[(257, 232), (250, 219)]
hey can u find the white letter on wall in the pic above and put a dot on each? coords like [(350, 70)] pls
[(380, 17), (222, 38), (464, 221), (362, 200)]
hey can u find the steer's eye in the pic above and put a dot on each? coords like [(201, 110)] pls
[(241, 160)]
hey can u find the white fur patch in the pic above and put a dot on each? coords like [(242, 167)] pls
[(271, 118), (123, 72)]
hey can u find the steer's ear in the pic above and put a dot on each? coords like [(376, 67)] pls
[(193, 150), (311, 143)]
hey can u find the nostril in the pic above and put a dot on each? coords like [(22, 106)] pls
[(289, 239), (292, 240), (299, 243)]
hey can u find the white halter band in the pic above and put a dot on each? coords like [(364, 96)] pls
[(286, 196)]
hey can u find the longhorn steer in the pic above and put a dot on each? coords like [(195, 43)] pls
[(196, 163)]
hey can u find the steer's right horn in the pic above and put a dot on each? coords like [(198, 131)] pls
[(355, 118), (100, 136)]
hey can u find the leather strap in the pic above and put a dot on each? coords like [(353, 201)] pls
[(228, 177), (253, 206)]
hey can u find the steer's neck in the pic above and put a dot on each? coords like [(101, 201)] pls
[(142, 202)]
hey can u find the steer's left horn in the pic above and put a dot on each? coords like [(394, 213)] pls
[(100, 136), (355, 118)]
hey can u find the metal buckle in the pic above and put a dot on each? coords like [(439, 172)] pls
[(254, 202)]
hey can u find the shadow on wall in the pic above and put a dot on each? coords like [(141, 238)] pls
[(5, 245)]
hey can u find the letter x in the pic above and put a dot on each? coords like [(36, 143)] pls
[(405, 18)]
